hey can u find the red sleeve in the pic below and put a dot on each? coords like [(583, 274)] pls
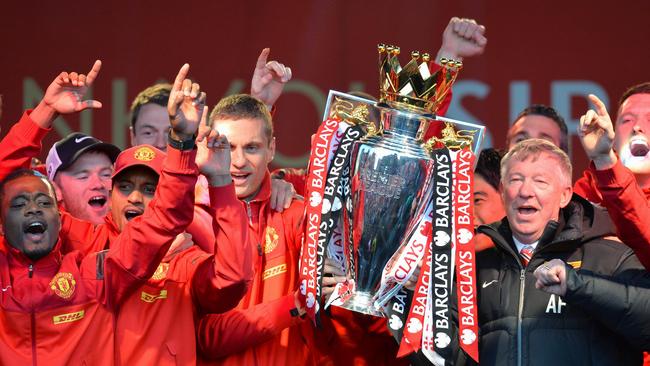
[(627, 206), (220, 335), (222, 280), (201, 229), (82, 235), (586, 187), (137, 251), (20, 145), (297, 177)]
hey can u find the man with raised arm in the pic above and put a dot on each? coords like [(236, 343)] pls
[(58, 308), (619, 174), (264, 328)]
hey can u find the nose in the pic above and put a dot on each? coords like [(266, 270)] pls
[(638, 128), (237, 158), (135, 197), (161, 141), (97, 183), (526, 189), (32, 208)]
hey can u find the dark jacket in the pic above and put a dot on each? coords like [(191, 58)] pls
[(521, 325)]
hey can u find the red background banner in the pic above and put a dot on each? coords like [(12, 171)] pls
[(538, 52)]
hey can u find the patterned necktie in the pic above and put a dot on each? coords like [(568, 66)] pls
[(526, 253)]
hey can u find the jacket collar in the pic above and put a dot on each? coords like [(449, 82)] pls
[(16, 258), (264, 193)]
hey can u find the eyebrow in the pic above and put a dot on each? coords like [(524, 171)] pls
[(26, 196), (148, 125)]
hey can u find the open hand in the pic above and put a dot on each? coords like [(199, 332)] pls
[(213, 159), (185, 106), (269, 79), (282, 194), (65, 95), (596, 133), (333, 276)]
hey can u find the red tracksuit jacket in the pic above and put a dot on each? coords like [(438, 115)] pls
[(627, 204), (60, 310), (262, 329)]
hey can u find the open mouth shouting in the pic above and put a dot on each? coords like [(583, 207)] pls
[(35, 230), (132, 212), (98, 202), (526, 211), (639, 147)]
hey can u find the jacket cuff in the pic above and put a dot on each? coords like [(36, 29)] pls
[(615, 176), (223, 196), (181, 161), (29, 130), (574, 284)]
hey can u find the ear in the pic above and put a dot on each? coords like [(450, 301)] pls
[(502, 191), (271, 150), (565, 196), (132, 135), (58, 192)]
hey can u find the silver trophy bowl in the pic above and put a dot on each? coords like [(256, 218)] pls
[(391, 182)]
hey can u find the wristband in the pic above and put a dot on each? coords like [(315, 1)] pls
[(181, 145)]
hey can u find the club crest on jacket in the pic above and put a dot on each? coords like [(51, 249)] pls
[(63, 284)]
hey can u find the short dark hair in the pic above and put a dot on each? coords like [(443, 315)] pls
[(23, 172), (551, 113), (157, 94), (240, 106), (643, 88), (488, 166)]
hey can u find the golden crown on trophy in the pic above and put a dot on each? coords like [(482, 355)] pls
[(414, 86)]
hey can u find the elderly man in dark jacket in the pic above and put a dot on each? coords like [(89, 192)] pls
[(523, 325)]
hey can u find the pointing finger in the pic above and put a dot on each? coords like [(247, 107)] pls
[(182, 73), (92, 74), (261, 59), (600, 106)]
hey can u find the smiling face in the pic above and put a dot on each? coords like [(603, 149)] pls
[(30, 217), (133, 189), (633, 132), (84, 187), (251, 153), (534, 189)]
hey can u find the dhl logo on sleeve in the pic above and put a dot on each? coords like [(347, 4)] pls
[(146, 297), (274, 271), (69, 317)]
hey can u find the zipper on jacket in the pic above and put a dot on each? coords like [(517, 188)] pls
[(33, 321), (249, 213), (32, 316), (522, 282)]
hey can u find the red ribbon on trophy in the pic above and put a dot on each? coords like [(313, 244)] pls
[(321, 151), (465, 252)]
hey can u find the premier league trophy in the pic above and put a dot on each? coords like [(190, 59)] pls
[(392, 170), (376, 187)]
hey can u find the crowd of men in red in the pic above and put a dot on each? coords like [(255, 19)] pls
[(183, 249)]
